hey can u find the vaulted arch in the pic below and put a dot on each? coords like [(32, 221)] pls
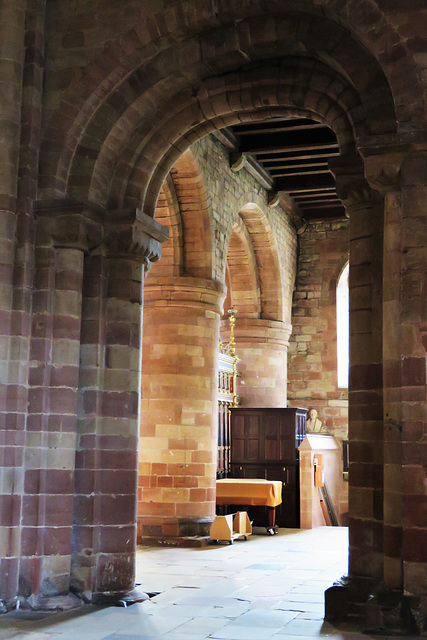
[(120, 99), (169, 215), (182, 207), (267, 261), (193, 206), (243, 274)]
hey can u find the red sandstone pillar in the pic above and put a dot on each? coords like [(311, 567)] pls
[(13, 325), (403, 176), (178, 437), (413, 320), (104, 535), (365, 209), (262, 348), (48, 483)]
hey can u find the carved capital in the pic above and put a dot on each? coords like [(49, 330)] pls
[(351, 185), (134, 235), (390, 160), (384, 171), (68, 224)]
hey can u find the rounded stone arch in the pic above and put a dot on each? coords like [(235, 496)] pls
[(266, 252), (262, 31), (292, 88), (168, 214), (194, 211), (256, 290), (242, 274)]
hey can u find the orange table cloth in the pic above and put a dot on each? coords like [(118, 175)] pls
[(249, 492)]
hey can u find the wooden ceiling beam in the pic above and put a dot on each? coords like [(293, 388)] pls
[(275, 175), (309, 202), (299, 165), (300, 184), (323, 214), (279, 128), (296, 157), (279, 142)]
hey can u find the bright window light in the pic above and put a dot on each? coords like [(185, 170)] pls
[(343, 328)]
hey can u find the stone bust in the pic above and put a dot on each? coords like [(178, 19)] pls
[(313, 424)]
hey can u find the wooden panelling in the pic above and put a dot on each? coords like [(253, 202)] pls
[(264, 444)]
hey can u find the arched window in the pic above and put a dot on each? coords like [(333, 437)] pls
[(343, 328)]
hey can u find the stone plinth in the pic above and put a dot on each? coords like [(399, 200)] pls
[(178, 436), (331, 451)]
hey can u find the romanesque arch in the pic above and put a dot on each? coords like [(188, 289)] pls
[(243, 273), (194, 211), (168, 214), (118, 113), (273, 66), (264, 245), (257, 291)]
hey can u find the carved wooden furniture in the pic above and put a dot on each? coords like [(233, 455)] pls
[(264, 445)]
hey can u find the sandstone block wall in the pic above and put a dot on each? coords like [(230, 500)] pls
[(312, 356)]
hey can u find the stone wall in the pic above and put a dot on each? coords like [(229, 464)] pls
[(228, 193), (312, 370), (203, 203)]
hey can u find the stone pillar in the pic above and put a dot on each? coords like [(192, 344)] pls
[(399, 173), (50, 439), (402, 173), (104, 534), (262, 348), (179, 414), (12, 353), (365, 209)]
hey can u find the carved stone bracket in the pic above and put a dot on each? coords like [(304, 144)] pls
[(352, 187), (124, 233), (134, 235), (387, 157), (68, 224)]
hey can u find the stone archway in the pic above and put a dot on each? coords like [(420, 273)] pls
[(112, 130), (177, 444), (258, 293)]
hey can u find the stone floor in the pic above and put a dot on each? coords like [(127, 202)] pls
[(261, 589)]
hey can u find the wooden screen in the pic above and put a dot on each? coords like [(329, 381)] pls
[(226, 400)]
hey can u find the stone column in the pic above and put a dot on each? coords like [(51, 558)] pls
[(50, 439), (402, 174), (365, 209), (12, 352), (262, 348), (104, 534), (179, 414)]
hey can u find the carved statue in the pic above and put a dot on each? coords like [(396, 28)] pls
[(313, 424)]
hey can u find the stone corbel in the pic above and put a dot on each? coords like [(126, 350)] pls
[(390, 159), (351, 184), (135, 235), (68, 224), (239, 161), (273, 198)]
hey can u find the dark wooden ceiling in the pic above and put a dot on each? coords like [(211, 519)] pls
[(295, 152)]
